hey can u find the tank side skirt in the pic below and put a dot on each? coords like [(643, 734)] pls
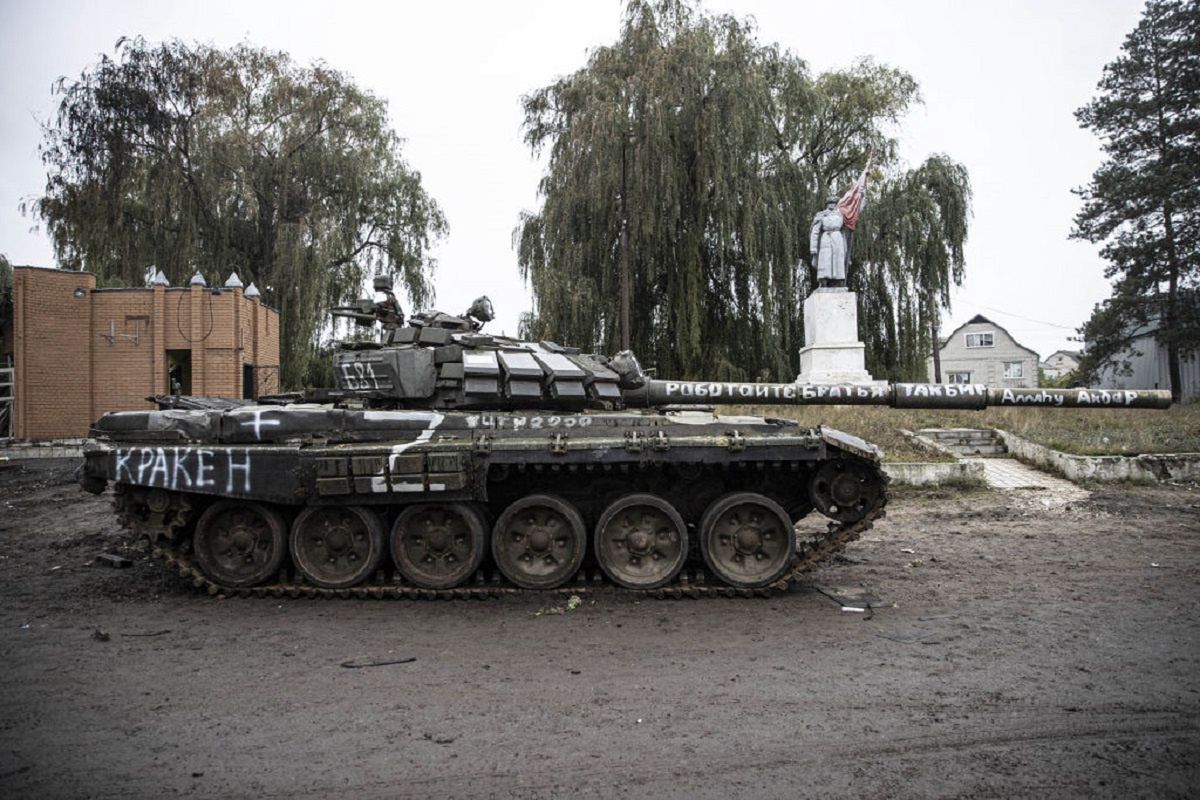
[(377, 475)]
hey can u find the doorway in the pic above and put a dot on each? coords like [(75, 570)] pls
[(179, 371), (247, 382)]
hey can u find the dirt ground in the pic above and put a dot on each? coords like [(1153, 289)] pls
[(1021, 651)]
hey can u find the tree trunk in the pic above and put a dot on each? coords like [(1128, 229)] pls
[(1170, 321), (935, 341), (1171, 318), (626, 292), (937, 352)]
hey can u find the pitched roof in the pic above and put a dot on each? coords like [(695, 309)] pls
[(981, 319)]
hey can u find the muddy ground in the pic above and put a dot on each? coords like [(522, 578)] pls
[(1022, 651)]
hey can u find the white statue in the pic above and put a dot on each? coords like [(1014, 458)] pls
[(827, 244)]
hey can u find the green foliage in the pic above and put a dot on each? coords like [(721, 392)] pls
[(1064, 381), (907, 257), (1143, 203), (721, 149), (5, 273), (196, 158)]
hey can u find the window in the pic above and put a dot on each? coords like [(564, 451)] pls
[(958, 377), (986, 339), (1013, 369)]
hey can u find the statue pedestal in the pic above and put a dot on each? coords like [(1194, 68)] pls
[(832, 352)]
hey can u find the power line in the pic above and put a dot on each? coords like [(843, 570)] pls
[(995, 310)]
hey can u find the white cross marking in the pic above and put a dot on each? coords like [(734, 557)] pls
[(258, 422)]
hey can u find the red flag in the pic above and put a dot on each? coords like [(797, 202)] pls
[(851, 204)]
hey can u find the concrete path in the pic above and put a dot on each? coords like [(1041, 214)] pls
[(1008, 474)]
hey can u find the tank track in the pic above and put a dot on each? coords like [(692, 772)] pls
[(692, 583)]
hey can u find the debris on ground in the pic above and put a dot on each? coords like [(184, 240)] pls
[(850, 597), (573, 602), (360, 664)]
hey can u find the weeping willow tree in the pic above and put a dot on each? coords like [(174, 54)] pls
[(685, 163), (193, 158), (906, 259)]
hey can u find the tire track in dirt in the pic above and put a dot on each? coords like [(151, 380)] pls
[(1024, 731)]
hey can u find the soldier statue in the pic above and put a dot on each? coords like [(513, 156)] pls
[(832, 229), (827, 245)]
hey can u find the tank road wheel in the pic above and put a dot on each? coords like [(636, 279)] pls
[(539, 542), (747, 540), (845, 490), (239, 543), (336, 547), (438, 545), (641, 542)]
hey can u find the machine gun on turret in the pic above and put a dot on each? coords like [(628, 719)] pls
[(366, 312)]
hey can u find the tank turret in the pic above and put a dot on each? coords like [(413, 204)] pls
[(442, 361)]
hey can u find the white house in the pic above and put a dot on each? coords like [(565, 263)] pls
[(983, 352), (1060, 363)]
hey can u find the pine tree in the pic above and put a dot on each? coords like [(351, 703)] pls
[(1143, 203)]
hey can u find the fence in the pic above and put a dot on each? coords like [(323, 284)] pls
[(6, 402)]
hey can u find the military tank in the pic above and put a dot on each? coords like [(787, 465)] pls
[(449, 462)]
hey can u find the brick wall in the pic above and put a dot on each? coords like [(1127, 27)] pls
[(51, 353), (77, 358)]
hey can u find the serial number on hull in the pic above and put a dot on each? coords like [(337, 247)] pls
[(518, 422)]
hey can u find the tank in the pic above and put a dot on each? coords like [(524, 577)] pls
[(449, 462)]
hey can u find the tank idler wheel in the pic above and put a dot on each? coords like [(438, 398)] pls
[(747, 540), (239, 543), (438, 545), (336, 547), (641, 542), (539, 542), (845, 490)]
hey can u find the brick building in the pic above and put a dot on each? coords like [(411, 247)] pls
[(79, 352)]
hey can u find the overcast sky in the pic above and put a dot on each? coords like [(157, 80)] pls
[(1000, 82)]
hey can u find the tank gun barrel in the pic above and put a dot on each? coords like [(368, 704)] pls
[(898, 395)]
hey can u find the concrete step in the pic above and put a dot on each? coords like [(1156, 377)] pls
[(990, 449), (958, 433), (967, 441)]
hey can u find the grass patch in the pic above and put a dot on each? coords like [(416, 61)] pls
[(876, 425), (1071, 430), (938, 492)]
